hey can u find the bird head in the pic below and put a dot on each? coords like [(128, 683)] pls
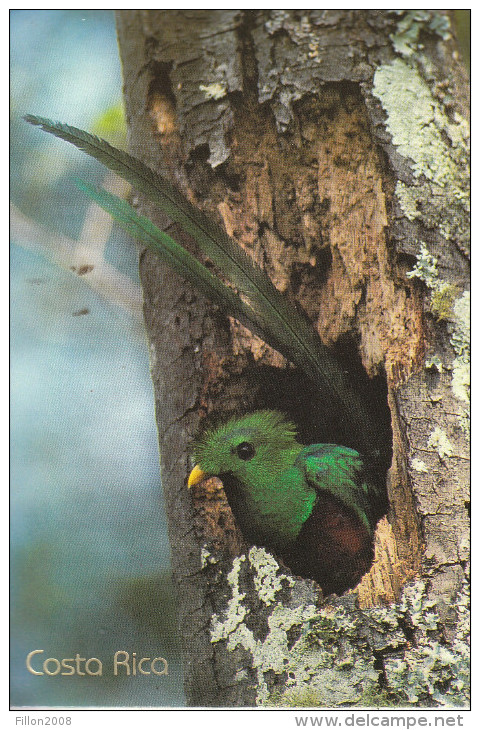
[(247, 447)]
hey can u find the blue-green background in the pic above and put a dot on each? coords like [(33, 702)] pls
[(89, 548), (90, 556)]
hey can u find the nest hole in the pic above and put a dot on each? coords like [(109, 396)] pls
[(290, 391)]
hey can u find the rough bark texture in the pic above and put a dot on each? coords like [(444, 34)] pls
[(332, 146)]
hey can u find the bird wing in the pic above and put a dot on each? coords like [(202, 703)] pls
[(340, 472)]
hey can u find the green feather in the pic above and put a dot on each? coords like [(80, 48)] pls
[(316, 506), (266, 311), (280, 461), (174, 255), (341, 472), (272, 500)]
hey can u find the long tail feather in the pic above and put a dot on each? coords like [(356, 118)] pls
[(178, 258), (281, 325)]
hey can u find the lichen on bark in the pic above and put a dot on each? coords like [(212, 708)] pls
[(328, 655), (332, 146)]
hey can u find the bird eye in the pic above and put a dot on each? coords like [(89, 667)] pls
[(245, 451)]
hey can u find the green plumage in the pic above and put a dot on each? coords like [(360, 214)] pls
[(178, 258), (267, 488), (315, 506), (254, 300)]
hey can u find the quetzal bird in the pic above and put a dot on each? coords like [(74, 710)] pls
[(316, 506)]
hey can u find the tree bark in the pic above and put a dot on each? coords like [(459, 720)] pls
[(332, 144)]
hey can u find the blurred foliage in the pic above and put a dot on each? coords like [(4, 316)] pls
[(111, 126), (89, 546), (34, 571), (150, 601), (462, 23)]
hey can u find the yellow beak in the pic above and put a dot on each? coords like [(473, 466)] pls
[(196, 476)]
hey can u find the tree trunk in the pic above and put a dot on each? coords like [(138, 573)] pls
[(332, 145)]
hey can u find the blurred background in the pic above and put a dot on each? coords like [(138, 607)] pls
[(90, 570)]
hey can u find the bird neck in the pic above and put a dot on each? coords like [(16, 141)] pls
[(272, 507)]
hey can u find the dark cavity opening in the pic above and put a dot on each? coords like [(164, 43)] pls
[(291, 392)]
